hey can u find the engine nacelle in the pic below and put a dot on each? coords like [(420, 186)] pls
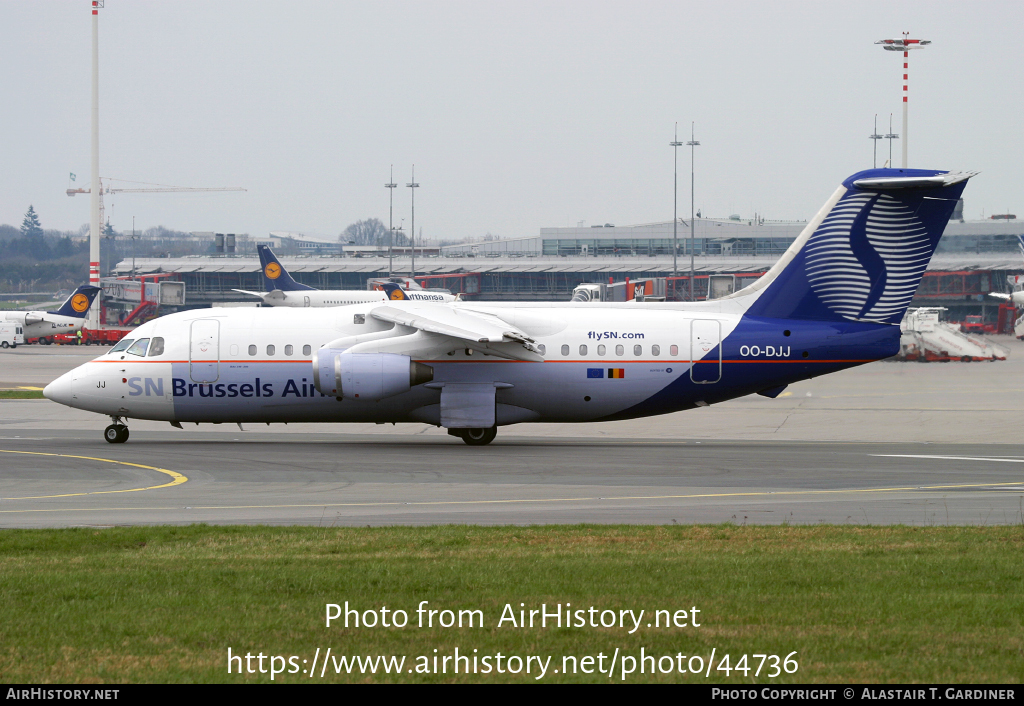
[(367, 376)]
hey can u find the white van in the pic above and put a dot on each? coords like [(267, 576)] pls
[(11, 334)]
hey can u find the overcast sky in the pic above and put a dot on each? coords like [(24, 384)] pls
[(518, 115)]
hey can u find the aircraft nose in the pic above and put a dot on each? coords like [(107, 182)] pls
[(59, 390)]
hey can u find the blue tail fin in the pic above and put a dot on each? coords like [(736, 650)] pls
[(394, 292), (77, 305), (1020, 239), (274, 274), (863, 256)]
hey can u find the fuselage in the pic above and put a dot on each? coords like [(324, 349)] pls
[(342, 297), (40, 324), (600, 362)]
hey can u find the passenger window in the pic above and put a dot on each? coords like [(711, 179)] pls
[(565, 349), (673, 350), (655, 350), (543, 349), (638, 350), (288, 350), (601, 349), (619, 349), (122, 345), (139, 348), (307, 350), (252, 350), (156, 347), (271, 350), (583, 350)]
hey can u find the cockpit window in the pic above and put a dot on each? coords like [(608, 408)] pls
[(139, 347), (122, 344), (156, 347)]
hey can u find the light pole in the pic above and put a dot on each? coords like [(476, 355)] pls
[(875, 137), (693, 144), (93, 320), (675, 144), (390, 186), (412, 231), (904, 45), (890, 136)]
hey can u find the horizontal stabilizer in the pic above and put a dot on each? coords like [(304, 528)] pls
[(913, 182)]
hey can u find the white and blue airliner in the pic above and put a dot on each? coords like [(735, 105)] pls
[(833, 300)]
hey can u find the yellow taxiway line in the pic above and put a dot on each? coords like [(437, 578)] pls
[(176, 478)]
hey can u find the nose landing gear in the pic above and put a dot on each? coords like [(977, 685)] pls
[(116, 433)]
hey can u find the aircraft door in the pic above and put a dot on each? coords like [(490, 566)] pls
[(705, 351), (305, 301), (204, 350)]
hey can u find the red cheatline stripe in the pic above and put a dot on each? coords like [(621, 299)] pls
[(578, 362)]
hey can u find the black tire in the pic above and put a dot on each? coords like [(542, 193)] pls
[(4, 345), (116, 434), (965, 359), (479, 437)]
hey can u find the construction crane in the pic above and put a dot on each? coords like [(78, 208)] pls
[(159, 188)]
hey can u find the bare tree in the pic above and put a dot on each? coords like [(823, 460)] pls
[(370, 232)]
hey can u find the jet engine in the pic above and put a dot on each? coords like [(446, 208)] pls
[(366, 376)]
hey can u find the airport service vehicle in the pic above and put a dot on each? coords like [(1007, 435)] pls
[(926, 339), (975, 323), (282, 290), (11, 334), (44, 325), (834, 300)]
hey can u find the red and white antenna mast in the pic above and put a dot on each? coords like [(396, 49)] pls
[(904, 45), (93, 321)]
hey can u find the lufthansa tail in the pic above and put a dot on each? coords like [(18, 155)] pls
[(863, 255), (394, 292), (274, 274), (77, 305)]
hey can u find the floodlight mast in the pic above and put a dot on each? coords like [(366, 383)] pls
[(390, 186), (875, 137), (675, 145), (412, 231), (693, 144), (904, 45), (890, 136), (93, 316)]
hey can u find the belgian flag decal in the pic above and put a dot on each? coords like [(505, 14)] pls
[(616, 372)]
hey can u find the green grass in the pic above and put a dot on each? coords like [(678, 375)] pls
[(857, 604), (21, 395)]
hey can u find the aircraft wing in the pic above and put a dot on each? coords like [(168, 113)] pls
[(255, 294), (464, 329)]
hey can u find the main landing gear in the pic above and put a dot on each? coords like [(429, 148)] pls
[(116, 433), (475, 437)]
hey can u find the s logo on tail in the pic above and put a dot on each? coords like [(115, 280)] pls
[(867, 257)]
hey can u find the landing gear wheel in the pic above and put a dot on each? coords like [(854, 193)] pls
[(479, 437), (116, 434)]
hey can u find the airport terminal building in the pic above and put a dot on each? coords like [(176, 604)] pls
[(973, 258)]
